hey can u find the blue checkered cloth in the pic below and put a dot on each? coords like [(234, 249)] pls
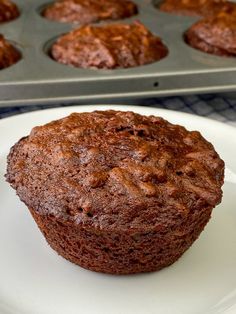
[(218, 107)]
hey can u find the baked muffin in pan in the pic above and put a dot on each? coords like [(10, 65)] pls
[(197, 7), (8, 53), (117, 192), (89, 11), (109, 46), (215, 35), (8, 11)]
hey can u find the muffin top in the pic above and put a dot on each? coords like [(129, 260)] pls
[(8, 53), (88, 11), (116, 170), (109, 46), (8, 11), (197, 7), (218, 31)]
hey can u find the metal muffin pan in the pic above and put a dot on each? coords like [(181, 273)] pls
[(36, 78)]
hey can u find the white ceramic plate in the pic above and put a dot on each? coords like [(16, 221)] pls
[(35, 280)]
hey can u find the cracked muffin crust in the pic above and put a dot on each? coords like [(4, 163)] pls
[(8, 11), (205, 8), (8, 53), (89, 11), (214, 35), (109, 46), (117, 192)]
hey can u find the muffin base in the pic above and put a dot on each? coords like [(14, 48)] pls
[(118, 252)]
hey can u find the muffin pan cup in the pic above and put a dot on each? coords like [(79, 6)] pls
[(36, 78)]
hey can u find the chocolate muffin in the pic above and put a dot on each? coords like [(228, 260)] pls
[(204, 8), (8, 53), (8, 11), (109, 46), (215, 35), (117, 192), (89, 11)]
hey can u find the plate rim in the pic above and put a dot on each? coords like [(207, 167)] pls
[(17, 119)]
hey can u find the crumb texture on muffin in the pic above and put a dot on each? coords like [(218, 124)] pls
[(204, 8), (8, 11), (215, 35), (115, 191), (8, 53), (89, 11), (109, 46)]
